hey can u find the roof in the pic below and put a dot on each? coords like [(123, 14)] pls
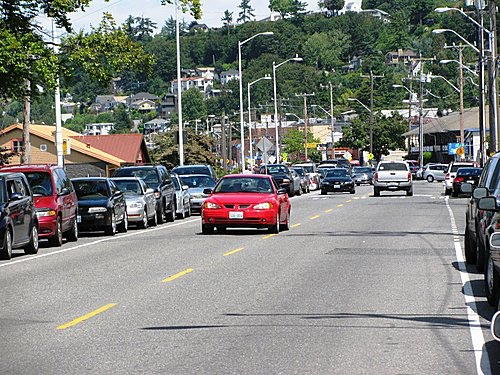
[(124, 146), (451, 122), (48, 132)]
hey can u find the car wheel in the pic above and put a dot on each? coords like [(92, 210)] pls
[(430, 178), (357, 183), (153, 221), (159, 215), (447, 191), (480, 256), (376, 192), (275, 228), (57, 239), (171, 214), (454, 193), (72, 234), (491, 281), (409, 193), (291, 192), (110, 230), (353, 191), (286, 226), (32, 246), (207, 229), (144, 223), (6, 252), (469, 248), (182, 215), (123, 226), (188, 214), (323, 192), (299, 192)]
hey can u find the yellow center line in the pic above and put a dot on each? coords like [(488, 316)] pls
[(350, 200), (314, 217), (339, 205), (329, 210), (177, 275), (74, 322), (295, 225), (268, 236), (232, 251)]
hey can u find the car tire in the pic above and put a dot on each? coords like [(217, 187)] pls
[(32, 246), (286, 226), (57, 239), (409, 193), (159, 215), (291, 192), (123, 226), (491, 281), (376, 192), (469, 248), (110, 230), (152, 221), (171, 214), (299, 192), (430, 178), (275, 228), (182, 215), (72, 234), (6, 252), (358, 183), (188, 214), (447, 191), (207, 229), (145, 222), (353, 191), (323, 192), (480, 254)]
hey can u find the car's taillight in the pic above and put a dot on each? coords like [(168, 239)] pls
[(459, 179), (447, 176), (409, 176), (375, 176)]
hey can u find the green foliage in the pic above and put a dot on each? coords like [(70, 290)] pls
[(287, 7), (193, 105), (123, 123), (293, 144), (326, 50), (78, 123), (333, 6), (246, 11)]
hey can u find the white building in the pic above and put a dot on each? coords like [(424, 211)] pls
[(228, 75), (202, 84), (103, 128)]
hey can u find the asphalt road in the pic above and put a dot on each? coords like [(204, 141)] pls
[(359, 285)]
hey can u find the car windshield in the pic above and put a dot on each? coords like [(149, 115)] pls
[(129, 187), (456, 167), (299, 171), (244, 185), (88, 190), (273, 169), (392, 167), (337, 173), (40, 183), (149, 175), (469, 172), (362, 170), (308, 168), (198, 181), (192, 170)]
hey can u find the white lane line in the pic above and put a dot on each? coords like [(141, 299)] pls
[(476, 332), (130, 234)]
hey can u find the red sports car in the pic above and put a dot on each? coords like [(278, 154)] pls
[(243, 200)]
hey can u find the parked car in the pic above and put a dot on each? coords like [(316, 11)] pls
[(157, 178), (451, 173), (434, 172), (197, 183), (55, 199), (413, 165), (305, 180), (310, 169), (337, 179), (195, 169), (140, 199), (362, 175), (338, 163), (283, 176), (182, 197), (475, 218), (392, 175), (246, 201), (101, 205), (469, 175), (18, 219)]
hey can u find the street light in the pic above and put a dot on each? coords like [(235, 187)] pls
[(242, 129), (460, 64), (447, 81), (440, 31), (410, 102), (296, 58), (357, 100), (266, 77), (293, 114)]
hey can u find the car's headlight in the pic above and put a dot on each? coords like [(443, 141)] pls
[(211, 205), (93, 210), (135, 205), (263, 206), (43, 212), (199, 195)]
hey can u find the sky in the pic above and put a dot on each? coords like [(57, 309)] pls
[(213, 11)]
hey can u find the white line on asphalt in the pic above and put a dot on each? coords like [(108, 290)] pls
[(35, 257), (476, 332)]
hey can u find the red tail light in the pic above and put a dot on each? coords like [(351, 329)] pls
[(376, 176), (459, 179), (447, 176), (409, 176)]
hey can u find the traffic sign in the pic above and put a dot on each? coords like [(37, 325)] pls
[(348, 155), (461, 151), (312, 145), (370, 156)]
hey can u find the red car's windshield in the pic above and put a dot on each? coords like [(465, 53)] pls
[(244, 185)]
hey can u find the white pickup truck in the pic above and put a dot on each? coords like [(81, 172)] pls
[(392, 175)]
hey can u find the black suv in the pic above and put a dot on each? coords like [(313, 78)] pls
[(18, 223), (195, 169), (158, 179)]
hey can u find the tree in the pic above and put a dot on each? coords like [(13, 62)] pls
[(325, 50), (193, 105), (227, 19), (332, 6), (293, 142), (144, 29), (287, 7), (246, 11), (123, 123)]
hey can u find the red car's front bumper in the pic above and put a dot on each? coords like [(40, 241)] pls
[(251, 218), (47, 226)]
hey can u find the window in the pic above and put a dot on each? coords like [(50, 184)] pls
[(43, 147), (17, 145)]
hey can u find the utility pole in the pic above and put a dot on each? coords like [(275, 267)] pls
[(372, 77), (482, 95), (306, 120), (224, 143), (26, 148), (492, 73)]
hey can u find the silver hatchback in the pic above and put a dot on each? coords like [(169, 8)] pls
[(435, 172)]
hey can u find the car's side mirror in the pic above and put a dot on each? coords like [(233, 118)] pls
[(487, 204), (495, 240), (207, 191), (281, 191), (15, 197), (64, 191), (479, 192)]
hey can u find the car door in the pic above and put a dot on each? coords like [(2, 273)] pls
[(149, 198), (117, 201), (168, 186), (20, 210), (281, 198), (65, 197)]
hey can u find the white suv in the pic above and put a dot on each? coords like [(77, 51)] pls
[(451, 173)]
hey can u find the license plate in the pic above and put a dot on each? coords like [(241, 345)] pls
[(235, 215), (78, 219), (336, 186)]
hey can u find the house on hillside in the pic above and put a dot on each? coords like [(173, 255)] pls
[(139, 97), (101, 128), (202, 84), (400, 57), (167, 106), (228, 75)]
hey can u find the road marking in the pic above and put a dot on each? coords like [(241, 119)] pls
[(76, 321), (232, 251), (356, 198), (177, 275), (295, 225), (350, 200), (269, 236), (314, 217), (480, 352), (339, 205), (329, 210), (116, 237)]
